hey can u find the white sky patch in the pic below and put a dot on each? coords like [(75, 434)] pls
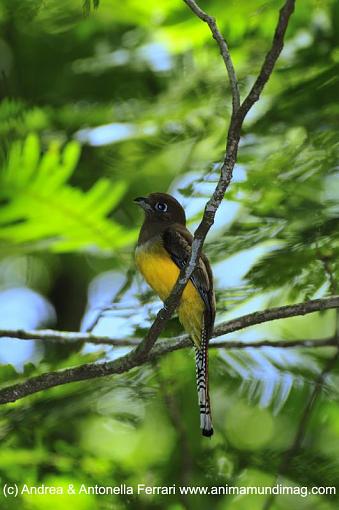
[(157, 56), (104, 135), (153, 55), (231, 271), (112, 133), (22, 308)]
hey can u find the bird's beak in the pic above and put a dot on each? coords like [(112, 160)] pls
[(143, 203)]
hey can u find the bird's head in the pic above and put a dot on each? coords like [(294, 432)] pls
[(162, 208)]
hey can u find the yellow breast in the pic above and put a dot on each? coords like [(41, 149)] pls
[(161, 274)]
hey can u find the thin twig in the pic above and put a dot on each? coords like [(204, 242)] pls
[(223, 50), (245, 321), (66, 337), (173, 344)]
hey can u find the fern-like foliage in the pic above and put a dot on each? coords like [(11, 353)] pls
[(40, 209), (268, 376)]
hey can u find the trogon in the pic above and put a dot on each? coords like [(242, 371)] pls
[(164, 247)]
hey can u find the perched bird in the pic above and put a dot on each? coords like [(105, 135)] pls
[(164, 247)]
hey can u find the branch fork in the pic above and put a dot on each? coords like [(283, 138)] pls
[(142, 352)]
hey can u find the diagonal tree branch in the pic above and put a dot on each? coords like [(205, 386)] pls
[(272, 56), (226, 172), (129, 361)]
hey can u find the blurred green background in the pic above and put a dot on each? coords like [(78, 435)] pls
[(102, 105)]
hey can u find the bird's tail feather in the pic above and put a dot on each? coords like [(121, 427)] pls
[(201, 365)]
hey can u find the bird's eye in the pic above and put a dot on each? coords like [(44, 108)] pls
[(161, 206)]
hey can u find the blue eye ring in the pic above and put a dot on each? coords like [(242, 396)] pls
[(161, 206)]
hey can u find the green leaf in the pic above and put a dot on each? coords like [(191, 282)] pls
[(39, 206)]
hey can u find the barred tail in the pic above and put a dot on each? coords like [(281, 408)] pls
[(201, 365)]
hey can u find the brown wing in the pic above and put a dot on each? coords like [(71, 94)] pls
[(178, 243)]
